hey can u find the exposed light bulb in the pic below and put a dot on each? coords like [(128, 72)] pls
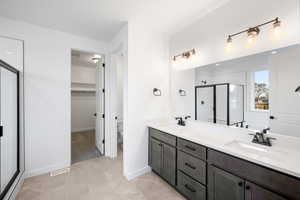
[(252, 36), (229, 44), (277, 29), (96, 58)]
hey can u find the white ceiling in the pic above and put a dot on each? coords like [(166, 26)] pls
[(102, 19)]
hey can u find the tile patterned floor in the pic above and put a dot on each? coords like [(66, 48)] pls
[(83, 146), (97, 179)]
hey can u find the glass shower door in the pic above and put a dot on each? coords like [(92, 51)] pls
[(222, 104), (236, 103), (9, 118), (205, 103)]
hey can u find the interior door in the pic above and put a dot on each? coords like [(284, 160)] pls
[(284, 101), (100, 78), (9, 139)]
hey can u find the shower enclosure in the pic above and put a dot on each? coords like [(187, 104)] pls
[(220, 103), (9, 127)]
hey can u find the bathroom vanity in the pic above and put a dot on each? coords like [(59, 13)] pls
[(214, 162)]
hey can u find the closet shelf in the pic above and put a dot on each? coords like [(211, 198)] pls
[(82, 83), (78, 89)]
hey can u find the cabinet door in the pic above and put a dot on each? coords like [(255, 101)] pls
[(223, 185), (254, 192), (169, 164), (156, 155)]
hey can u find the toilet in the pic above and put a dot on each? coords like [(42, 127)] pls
[(120, 131)]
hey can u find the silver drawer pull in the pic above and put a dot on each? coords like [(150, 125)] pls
[(189, 165)]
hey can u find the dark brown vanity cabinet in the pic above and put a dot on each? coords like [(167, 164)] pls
[(162, 159), (201, 173), (254, 192), (190, 188), (191, 170), (260, 182), (223, 185)]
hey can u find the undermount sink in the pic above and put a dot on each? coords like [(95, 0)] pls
[(246, 146), (257, 151)]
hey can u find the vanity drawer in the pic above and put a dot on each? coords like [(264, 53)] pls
[(192, 166), (164, 137), (190, 188), (270, 179), (192, 148)]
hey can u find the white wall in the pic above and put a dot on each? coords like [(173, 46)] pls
[(183, 105), (209, 34), (83, 104), (83, 74), (148, 68), (47, 92), (83, 108)]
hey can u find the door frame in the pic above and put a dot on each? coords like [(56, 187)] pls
[(16, 174), (106, 135), (119, 51)]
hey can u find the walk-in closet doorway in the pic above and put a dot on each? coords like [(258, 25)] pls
[(87, 105)]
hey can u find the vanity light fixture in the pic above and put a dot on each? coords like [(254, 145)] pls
[(156, 92), (298, 89), (185, 55), (253, 32), (182, 92)]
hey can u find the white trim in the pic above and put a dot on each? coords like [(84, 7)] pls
[(138, 173), (45, 170), (119, 51), (15, 188)]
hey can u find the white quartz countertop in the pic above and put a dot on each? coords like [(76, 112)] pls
[(284, 155)]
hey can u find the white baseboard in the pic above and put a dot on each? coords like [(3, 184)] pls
[(45, 170), (138, 173), (83, 129)]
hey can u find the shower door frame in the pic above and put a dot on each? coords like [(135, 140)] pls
[(16, 174), (214, 86)]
